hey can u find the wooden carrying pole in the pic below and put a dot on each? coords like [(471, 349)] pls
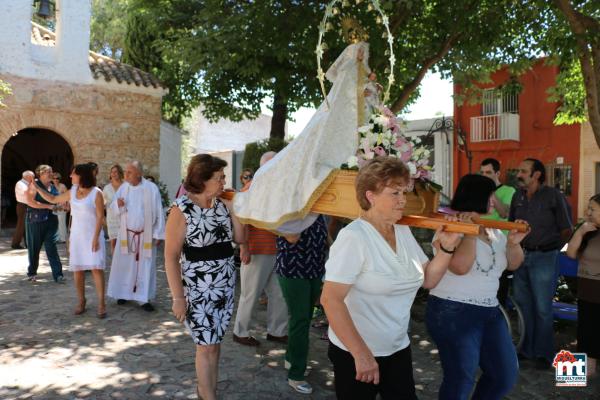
[(411, 220), (490, 223), (504, 225), (434, 223)]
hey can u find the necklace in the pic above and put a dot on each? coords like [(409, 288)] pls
[(487, 270)]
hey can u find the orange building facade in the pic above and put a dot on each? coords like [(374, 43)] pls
[(511, 125)]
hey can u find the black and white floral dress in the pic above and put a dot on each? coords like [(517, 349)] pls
[(207, 269)]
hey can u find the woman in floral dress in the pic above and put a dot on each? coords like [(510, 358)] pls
[(199, 264)]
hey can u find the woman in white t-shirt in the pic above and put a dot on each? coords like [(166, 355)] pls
[(463, 316), (374, 270)]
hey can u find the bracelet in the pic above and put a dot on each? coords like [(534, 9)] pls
[(446, 250)]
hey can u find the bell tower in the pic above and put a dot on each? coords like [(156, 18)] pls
[(33, 52)]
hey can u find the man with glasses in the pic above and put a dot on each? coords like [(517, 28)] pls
[(41, 226)]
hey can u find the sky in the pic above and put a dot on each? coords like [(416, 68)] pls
[(436, 99)]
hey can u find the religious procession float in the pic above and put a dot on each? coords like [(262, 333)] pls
[(315, 173)]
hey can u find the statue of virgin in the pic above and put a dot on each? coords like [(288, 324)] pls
[(285, 188)]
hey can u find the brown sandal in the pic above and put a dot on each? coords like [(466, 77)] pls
[(80, 309), (101, 314)]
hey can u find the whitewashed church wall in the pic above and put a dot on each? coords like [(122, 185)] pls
[(170, 157), (66, 61), (225, 134)]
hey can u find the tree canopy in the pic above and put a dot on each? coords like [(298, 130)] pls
[(108, 27), (232, 56)]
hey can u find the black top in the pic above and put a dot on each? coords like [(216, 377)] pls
[(547, 213), (304, 259)]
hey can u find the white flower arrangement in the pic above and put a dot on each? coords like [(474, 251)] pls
[(382, 136)]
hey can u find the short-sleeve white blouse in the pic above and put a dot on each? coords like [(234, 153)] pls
[(384, 283)]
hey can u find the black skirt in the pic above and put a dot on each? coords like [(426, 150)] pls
[(588, 328)]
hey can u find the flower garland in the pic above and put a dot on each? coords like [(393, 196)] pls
[(332, 10)]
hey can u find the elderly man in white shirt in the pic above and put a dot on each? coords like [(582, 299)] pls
[(142, 227), (20, 194)]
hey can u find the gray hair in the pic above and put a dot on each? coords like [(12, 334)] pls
[(266, 157), (28, 173), (138, 165)]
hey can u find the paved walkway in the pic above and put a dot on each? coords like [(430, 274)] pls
[(47, 353)]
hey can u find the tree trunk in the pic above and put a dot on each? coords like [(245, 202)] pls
[(280, 113), (584, 28)]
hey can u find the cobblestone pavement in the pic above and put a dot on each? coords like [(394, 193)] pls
[(48, 353)]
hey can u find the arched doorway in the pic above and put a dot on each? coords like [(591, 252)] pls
[(27, 149)]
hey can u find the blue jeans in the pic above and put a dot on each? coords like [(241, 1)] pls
[(468, 337), (534, 285), (46, 234)]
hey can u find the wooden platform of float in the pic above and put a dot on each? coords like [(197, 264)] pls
[(339, 200)]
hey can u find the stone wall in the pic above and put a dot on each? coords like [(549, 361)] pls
[(101, 125)]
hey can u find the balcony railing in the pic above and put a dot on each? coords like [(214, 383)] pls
[(495, 127)]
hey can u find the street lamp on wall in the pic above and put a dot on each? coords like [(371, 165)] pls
[(441, 125)]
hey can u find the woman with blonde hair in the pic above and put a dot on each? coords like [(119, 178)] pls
[(246, 178)]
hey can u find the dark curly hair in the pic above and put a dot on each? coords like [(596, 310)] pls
[(201, 169), (590, 235)]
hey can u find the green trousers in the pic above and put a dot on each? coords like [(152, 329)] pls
[(300, 296)]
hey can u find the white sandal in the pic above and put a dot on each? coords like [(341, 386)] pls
[(300, 386)]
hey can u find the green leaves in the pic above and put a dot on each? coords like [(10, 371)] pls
[(232, 56), (5, 90)]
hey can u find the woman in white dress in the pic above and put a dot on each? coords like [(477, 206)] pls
[(112, 220), (302, 170), (86, 248)]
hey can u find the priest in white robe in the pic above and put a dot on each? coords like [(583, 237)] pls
[(142, 227)]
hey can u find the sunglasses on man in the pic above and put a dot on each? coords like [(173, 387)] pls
[(246, 176)]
